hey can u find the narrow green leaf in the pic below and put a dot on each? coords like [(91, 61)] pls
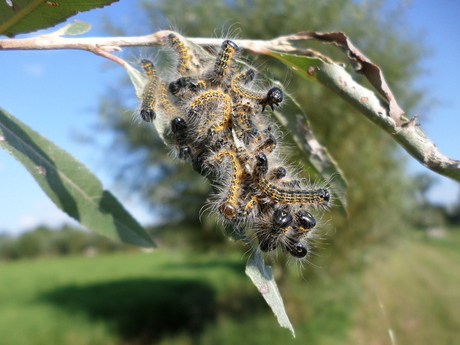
[(22, 16), (137, 78), (69, 184), (77, 28), (262, 277), (302, 65), (337, 79), (326, 168), (72, 29)]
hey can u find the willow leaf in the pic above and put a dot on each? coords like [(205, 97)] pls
[(69, 184), (23, 16)]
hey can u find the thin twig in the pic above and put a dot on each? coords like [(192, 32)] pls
[(331, 75)]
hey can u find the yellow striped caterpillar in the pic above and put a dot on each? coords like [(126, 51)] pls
[(284, 195), (229, 51), (274, 96), (215, 121), (149, 93)]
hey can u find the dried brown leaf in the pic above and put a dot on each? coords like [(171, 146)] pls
[(361, 63)]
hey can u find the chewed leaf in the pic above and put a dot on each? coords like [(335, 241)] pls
[(337, 79), (262, 277), (318, 156), (72, 29), (137, 78), (284, 49), (77, 28), (24, 16), (362, 64), (69, 184)]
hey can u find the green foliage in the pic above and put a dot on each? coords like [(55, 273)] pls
[(23, 16), (368, 157), (69, 184), (453, 215), (424, 214)]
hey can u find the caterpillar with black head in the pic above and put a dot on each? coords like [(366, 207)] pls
[(272, 97), (150, 91), (282, 195), (215, 121)]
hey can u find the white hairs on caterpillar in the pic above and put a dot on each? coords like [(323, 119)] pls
[(216, 119)]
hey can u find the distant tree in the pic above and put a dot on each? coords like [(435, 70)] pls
[(43, 241), (453, 214), (33, 243), (8, 250), (425, 214)]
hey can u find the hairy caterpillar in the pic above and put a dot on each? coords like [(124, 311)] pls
[(229, 51), (183, 54), (281, 227), (274, 96), (179, 130), (216, 123), (164, 102), (229, 206), (283, 195), (149, 93)]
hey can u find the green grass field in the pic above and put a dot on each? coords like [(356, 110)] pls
[(414, 291), (170, 297)]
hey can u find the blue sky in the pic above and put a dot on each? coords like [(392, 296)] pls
[(57, 93)]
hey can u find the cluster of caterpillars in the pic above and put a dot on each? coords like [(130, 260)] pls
[(215, 119)]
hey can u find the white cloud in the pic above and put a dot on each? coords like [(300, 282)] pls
[(41, 213), (35, 69)]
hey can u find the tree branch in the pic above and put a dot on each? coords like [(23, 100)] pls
[(408, 134), (324, 71)]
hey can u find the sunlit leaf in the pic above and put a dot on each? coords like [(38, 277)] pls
[(72, 29), (69, 184), (262, 277), (22, 16)]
